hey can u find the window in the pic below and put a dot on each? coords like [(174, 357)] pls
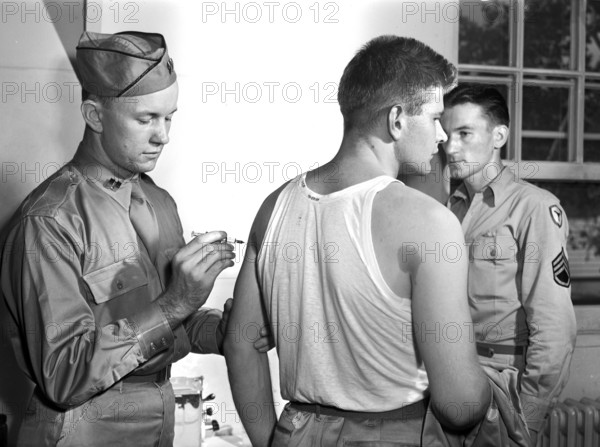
[(545, 57)]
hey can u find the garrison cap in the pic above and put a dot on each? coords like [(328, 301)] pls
[(130, 63)]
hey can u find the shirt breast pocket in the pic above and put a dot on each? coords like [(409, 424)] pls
[(493, 266), (115, 280)]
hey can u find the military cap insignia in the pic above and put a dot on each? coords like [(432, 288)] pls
[(556, 215), (112, 184), (560, 268)]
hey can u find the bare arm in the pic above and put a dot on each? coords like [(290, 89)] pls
[(421, 251), (248, 369), (460, 392)]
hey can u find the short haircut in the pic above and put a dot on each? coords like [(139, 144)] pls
[(391, 70), (487, 97), (104, 100)]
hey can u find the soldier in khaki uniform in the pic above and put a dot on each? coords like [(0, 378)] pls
[(516, 234), (101, 287)]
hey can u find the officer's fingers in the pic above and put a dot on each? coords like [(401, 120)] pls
[(227, 310), (211, 253), (199, 262), (262, 344), (214, 267), (198, 245), (209, 237)]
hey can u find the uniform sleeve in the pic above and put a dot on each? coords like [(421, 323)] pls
[(203, 330), (70, 356), (546, 297), (202, 327)]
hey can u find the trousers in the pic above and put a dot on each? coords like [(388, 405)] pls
[(304, 429), (124, 415)]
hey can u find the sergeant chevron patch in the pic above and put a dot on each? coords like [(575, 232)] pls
[(560, 268)]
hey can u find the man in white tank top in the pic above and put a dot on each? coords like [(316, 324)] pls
[(361, 279)]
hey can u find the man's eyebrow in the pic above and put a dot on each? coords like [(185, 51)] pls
[(464, 127), (153, 114)]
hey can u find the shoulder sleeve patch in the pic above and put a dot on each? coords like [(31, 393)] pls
[(560, 269), (557, 215)]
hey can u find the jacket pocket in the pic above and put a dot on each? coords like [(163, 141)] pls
[(493, 266), (115, 280)]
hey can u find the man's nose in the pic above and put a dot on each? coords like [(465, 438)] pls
[(450, 145), (161, 133), (440, 135)]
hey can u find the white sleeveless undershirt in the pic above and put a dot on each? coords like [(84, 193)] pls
[(343, 337)]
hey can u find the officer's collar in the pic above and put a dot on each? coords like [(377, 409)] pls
[(114, 184), (494, 191), (498, 188)]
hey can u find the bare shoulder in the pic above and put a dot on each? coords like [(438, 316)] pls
[(263, 216), (410, 213)]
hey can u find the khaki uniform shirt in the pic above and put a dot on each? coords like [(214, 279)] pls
[(519, 282), (81, 287)]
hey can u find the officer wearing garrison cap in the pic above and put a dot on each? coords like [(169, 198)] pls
[(102, 289)]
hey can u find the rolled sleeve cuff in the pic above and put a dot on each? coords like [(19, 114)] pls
[(534, 410), (152, 330), (203, 331)]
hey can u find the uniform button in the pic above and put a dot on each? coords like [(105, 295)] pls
[(152, 346), (163, 341), (119, 285), (493, 252)]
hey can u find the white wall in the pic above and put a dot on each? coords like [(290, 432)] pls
[(40, 127)]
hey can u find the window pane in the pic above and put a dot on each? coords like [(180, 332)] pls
[(545, 108), (591, 150), (547, 34), (592, 111), (483, 32), (591, 125), (592, 54), (544, 149)]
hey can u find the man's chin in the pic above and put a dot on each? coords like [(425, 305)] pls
[(141, 168), (456, 173)]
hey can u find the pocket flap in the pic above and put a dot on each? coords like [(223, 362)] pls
[(493, 248), (114, 280)]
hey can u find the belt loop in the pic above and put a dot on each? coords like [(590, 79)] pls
[(318, 411)]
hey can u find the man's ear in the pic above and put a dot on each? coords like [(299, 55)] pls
[(500, 134), (92, 114), (395, 121)]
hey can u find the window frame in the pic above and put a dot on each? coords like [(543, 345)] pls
[(515, 76)]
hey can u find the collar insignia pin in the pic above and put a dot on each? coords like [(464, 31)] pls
[(112, 184)]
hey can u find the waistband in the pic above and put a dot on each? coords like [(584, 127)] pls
[(159, 376), (415, 410), (489, 349)]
